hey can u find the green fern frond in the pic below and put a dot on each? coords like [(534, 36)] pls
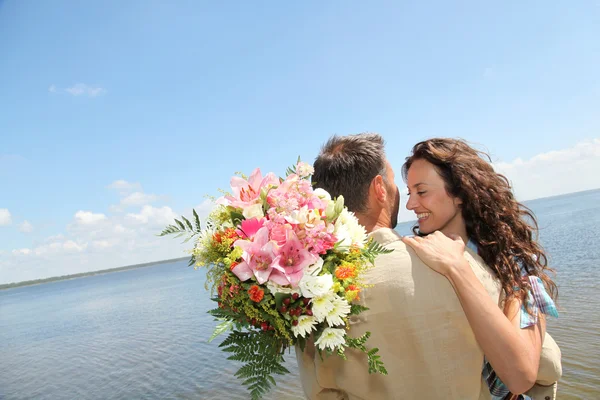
[(374, 249), (356, 309), (184, 227), (262, 358)]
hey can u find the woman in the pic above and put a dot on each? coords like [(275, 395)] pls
[(458, 199)]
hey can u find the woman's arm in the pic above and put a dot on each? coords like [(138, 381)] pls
[(514, 353)]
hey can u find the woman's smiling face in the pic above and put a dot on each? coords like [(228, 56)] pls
[(428, 198)]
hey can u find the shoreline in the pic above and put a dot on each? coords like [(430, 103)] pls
[(34, 282)]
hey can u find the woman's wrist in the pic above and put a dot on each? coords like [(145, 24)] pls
[(456, 270)]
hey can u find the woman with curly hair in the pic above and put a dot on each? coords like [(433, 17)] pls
[(458, 199)]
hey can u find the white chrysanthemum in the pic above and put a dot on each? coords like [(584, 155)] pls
[(253, 211), (306, 325), (340, 309), (349, 231), (322, 305), (312, 286), (331, 338)]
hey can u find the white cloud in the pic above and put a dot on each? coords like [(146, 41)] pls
[(55, 238), (55, 248), (26, 227), (154, 215), (5, 217), (124, 187), (139, 199), (556, 172), (70, 245), (52, 89), (21, 252), (101, 244), (88, 217), (83, 89)]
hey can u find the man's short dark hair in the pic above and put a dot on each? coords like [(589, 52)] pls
[(346, 166)]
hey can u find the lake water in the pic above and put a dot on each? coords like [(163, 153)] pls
[(143, 333)]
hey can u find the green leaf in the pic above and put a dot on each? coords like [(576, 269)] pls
[(262, 357), (356, 309), (197, 221), (221, 328), (301, 343), (236, 217), (188, 223), (279, 299)]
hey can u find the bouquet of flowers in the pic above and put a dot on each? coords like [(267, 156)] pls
[(284, 262)]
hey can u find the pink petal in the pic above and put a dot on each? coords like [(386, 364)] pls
[(237, 184), (278, 278), (242, 244), (255, 179), (262, 275), (269, 179), (250, 227), (295, 277), (262, 236), (242, 271)]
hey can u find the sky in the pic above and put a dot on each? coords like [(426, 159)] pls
[(117, 116)]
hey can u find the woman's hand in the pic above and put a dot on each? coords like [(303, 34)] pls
[(440, 252)]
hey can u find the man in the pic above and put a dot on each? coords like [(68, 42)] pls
[(414, 316)]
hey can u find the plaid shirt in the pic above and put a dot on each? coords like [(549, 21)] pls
[(538, 300)]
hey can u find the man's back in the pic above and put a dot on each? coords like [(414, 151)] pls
[(418, 324)]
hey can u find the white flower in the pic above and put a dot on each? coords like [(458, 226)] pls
[(315, 268), (275, 288), (330, 210), (332, 338), (303, 169), (298, 216), (253, 211), (349, 231), (322, 305), (340, 309), (312, 286), (322, 194), (305, 325)]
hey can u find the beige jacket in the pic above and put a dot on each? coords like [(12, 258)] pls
[(421, 331)]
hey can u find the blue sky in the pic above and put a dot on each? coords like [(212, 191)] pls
[(168, 99)]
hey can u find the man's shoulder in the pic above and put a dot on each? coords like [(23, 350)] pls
[(392, 240)]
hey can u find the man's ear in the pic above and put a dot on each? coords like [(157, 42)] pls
[(379, 188)]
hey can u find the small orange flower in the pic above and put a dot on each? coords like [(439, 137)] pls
[(256, 293), (217, 237), (345, 272), (352, 292), (230, 233)]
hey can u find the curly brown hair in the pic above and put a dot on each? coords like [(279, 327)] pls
[(504, 230)]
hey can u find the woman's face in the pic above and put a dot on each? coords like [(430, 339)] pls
[(428, 198)]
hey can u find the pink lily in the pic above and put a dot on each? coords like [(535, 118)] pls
[(247, 192), (292, 259), (257, 257)]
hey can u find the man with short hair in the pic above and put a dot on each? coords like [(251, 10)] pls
[(415, 318)]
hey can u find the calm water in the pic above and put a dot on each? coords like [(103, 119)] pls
[(142, 333)]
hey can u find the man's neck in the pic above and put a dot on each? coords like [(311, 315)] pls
[(370, 223)]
